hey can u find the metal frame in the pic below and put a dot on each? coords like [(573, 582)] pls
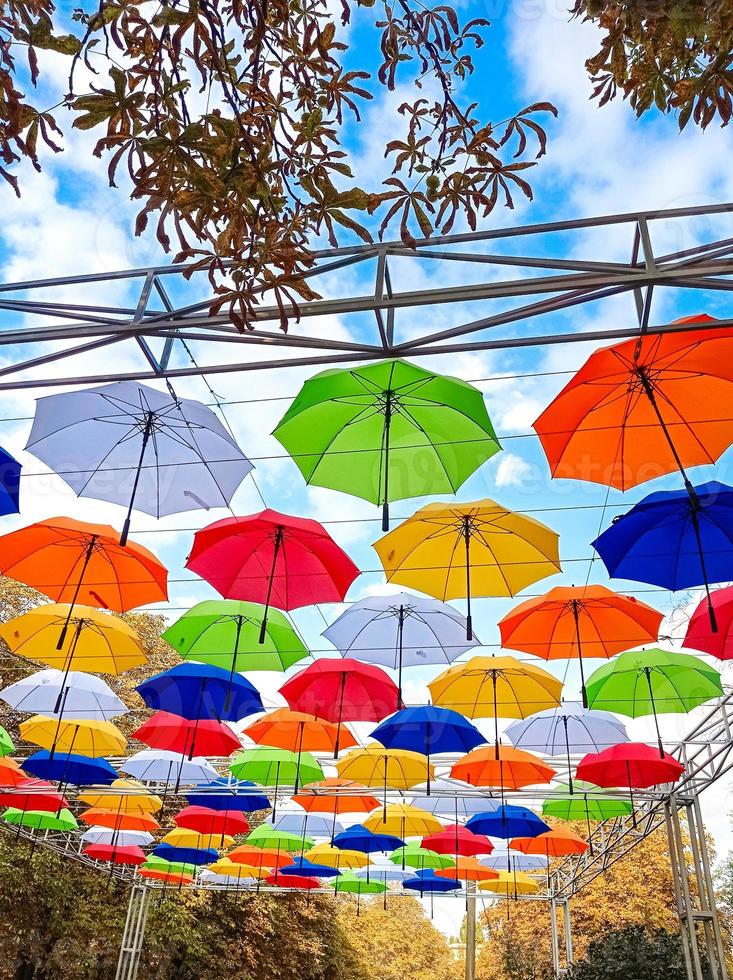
[(490, 290)]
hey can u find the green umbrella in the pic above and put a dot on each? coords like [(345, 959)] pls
[(415, 856), (63, 820), (225, 633), (268, 837), (586, 802), (653, 682), (274, 767), (6, 743), (154, 863), (348, 882), (387, 431)]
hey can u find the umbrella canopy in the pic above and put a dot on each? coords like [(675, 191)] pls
[(204, 820), (34, 794), (507, 821), (455, 839), (387, 431), (553, 843), (586, 803), (6, 743), (272, 558), (117, 838), (298, 731), (225, 872), (186, 855), (69, 767), (414, 855), (268, 837), (427, 882), (360, 838), (92, 738), (127, 795), (338, 857), (127, 854), (180, 837), (178, 878), (75, 562), (510, 884), (351, 883), (224, 633), (274, 767), (292, 881), (342, 690), (10, 772), (633, 764), (468, 869), (333, 795), (625, 417), (61, 820), (508, 769), (514, 861), (190, 737), (676, 539), (139, 447), (650, 682), (400, 630), (302, 866), (116, 821), (259, 858), (316, 824), (374, 765), (568, 622), (700, 635), (403, 820), (198, 691), (496, 687), (9, 484), (78, 695), (93, 640), (447, 801), (453, 551), (159, 766), (429, 730), (228, 794)]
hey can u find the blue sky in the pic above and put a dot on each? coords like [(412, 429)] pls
[(68, 221)]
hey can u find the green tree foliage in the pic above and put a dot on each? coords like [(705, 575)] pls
[(632, 952)]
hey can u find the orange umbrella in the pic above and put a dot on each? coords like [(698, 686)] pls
[(333, 796), (468, 869), (117, 820), (587, 621), (11, 774), (648, 406), (72, 561), (170, 878), (553, 843), (509, 769), (260, 858)]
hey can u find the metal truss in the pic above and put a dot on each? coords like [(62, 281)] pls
[(502, 288)]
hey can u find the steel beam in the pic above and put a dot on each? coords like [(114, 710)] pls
[(133, 935)]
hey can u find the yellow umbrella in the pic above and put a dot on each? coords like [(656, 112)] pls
[(510, 884), (373, 765), (454, 551), (124, 796), (94, 641), (496, 687), (181, 837), (334, 857), (403, 820), (224, 866), (92, 738)]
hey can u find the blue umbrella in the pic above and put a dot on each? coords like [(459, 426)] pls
[(676, 539), (358, 838), (302, 866), (195, 691), (186, 855), (9, 484), (80, 770), (507, 821), (228, 794), (429, 731), (428, 881)]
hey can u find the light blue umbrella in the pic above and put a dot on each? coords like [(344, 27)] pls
[(315, 824), (445, 801), (515, 861)]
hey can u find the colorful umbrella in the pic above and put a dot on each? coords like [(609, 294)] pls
[(496, 687), (68, 767), (198, 691), (338, 857), (122, 838), (223, 632), (387, 431), (203, 820), (507, 821), (428, 881), (586, 803), (159, 766), (508, 861), (414, 855), (229, 794), (9, 484), (92, 738), (226, 868), (127, 795), (400, 630), (342, 690), (509, 769), (511, 884), (700, 636), (274, 559), (116, 821), (333, 795), (553, 843), (350, 883), (403, 820), (74, 562), (259, 858), (675, 539), (133, 445), (34, 794), (632, 765), (268, 837), (275, 767), (455, 839), (590, 621), (186, 855), (651, 682), (180, 837), (302, 866), (78, 695), (316, 824), (292, 881), (454, 551), (360, 838), (374, 765), (173, 877), (6, 743), (449, 800), (647, 406), (10, 772), (127, 854), (468, 869), (198, 737), (61, 820)]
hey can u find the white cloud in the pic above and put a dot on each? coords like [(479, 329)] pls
[(511, 471)]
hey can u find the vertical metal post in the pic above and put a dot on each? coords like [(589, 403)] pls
[(568, 935), (706, 890), (133, 935), (470, 930), (554, 937), (683, 895)]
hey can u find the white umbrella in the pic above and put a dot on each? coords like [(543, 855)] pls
[(453, 805), (400, 630), (515, 861), (79, 696), (139, 447), (316, 825), (162, 766), (117, 838)]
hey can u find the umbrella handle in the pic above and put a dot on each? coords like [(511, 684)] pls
[(467, 539), (387, 423), (147, 431), (276, 550), (87, 558)]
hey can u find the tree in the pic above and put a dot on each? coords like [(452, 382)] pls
[(397, 943), (228, 121), (673, 55), (633, 952)]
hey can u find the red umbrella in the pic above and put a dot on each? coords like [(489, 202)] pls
[(273, 559), (700, 636), (10, 772), (292, 881), (129, 854), (34, 794), (206, 821), (342, 690), (199, 736), (456, 839)]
